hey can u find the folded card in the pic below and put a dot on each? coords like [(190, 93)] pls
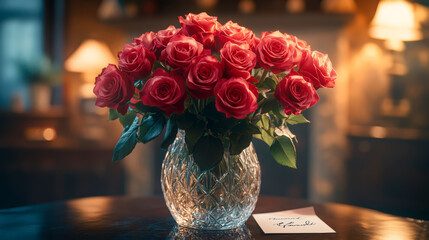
[(302, 220)]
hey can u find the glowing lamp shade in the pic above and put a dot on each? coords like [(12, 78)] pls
[(395, 20), (91, 56)]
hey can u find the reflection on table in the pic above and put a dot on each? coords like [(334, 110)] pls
[(149, 218)]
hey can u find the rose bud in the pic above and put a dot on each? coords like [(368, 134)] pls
[(317, 69), (113, 89), (236, 97), (165, 91), (180, 51), (136, 60), (295, 94), (237, 61), (202, 76), (277, 53), (232, 32), (202, 27)]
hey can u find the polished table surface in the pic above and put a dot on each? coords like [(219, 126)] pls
[(149, 218)]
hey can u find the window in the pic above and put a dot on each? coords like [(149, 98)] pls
[(21, 42)]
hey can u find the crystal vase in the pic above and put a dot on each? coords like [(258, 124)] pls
[(218, 199)]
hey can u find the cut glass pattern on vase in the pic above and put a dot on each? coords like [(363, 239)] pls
[(219, 199)]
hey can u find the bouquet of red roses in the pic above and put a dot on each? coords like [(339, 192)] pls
[(220, 84)]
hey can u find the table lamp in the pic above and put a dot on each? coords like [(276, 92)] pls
[(88, 59), (395, 22)]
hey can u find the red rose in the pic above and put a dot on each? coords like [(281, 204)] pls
[(237, 61), (180, 51), (295, 94), (113, 89), (300, 44), (302, 48), (236, 97), (202, 27), (165, 91), (202, 76), (232, 32), (277, 52), (317, 69), (163, 37), (147, 39), (136, 60)]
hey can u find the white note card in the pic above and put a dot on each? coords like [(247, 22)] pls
[(302, 220)]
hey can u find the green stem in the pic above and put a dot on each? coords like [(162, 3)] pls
[(255, 72), (205, 102), (195, 106), (260, 103), (264, 74), (275, 78), (202, 105), (163, 65)]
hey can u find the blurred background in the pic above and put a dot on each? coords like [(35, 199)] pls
[(367, 145)]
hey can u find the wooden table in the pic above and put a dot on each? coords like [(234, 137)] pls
[(149, 218)]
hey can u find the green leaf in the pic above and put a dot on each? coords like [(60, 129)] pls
[(151, 127), (267, 132), (253, 129), (265, 120), (170, 133), (246, 126), (256, 119), (241, 136), (185, 120), (211, 112), (268, 105), (239, 141), (269, 83), (265, 136), (126, 142), (194, 133), (144, 108), (283, 151), (208, 152), (278, 111), (217, 121), (296, 119), (113, 114), (128, 118)]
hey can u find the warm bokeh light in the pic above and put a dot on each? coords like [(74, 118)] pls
[(395, 20), (207, 4), (46, 134), (378, 132), (49, 134), (89, 58)]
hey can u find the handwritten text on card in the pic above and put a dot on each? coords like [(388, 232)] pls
[(302, 220)]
